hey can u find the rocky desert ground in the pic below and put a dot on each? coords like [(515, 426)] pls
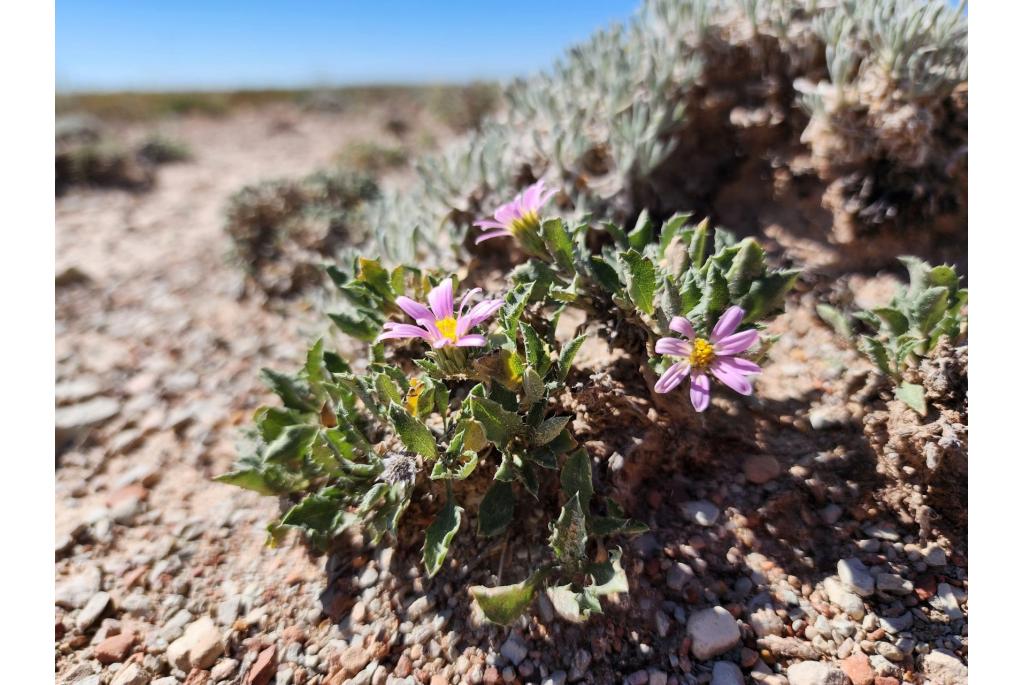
[(773, 563)]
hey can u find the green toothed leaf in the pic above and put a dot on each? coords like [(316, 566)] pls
[(559, 244), (577, 479), (414, 433), (569, 534), (912, 395), (567, 355), (836, 319), (496, 509), (549, 430), (640, 280), (506, 603), (439, 537)]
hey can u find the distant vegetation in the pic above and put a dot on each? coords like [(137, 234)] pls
[(458, 106)]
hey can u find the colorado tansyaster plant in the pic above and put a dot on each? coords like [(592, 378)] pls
[(910, 327), (473, 391)]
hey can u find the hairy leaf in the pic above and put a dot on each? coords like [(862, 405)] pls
[(413, 432), (506, 603), (439, 536), (577, 478), (641, 281), (912, 395), (496, 509)]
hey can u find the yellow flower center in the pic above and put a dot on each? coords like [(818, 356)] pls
[(527, 222), (702, 355), (446, 327)]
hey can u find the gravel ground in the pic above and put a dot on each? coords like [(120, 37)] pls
[(772, 565)]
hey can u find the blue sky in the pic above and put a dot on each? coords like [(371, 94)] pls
[(119, 44)]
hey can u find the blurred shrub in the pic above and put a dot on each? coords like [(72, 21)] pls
[(281, 230), (160, 149), (695, 103), (101, 163), (463, 108), (372, 157), (86, 155)]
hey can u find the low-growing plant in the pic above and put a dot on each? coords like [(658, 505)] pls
[(282, 230), (910, 327), (161, 149), (461, 401), (371, 157), (101, 163)]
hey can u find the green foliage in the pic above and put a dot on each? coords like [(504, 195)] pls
[(650, 274), (897, 336), (355, 448)]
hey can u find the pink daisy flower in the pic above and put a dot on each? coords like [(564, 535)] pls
[(439, 324), (519, 217), (717, 355)]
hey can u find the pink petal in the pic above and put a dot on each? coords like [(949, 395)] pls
[(505, 213), (734, 380), (480, 312), (465, 299), (727, 323), (414, 309), (673, 346), (531, 194), (672, 377), (440, 299), (402, 330), (680, 324), (739, 365), (736, 343), (474, 340), (488, 223), (493, 234), (700, 391), (543, 199)]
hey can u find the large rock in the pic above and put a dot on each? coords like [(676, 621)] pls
[(115, 648), (851, 604), (943, 668), (858, 669), (74, 420), (74, 592), (199, 647), (713, 631), (856, 576), (92, 611), (815, 673)]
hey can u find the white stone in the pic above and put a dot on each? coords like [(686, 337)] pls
[(850, 603), (856, 576), (943, 668), (701, 512), (713, 631), (199, 647), (815, 673), (132, 674), (764, 621)]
